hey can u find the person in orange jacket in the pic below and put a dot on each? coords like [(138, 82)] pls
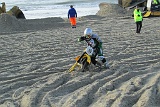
[(72, 15)]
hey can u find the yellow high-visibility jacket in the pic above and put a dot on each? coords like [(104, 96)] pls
[(137, 15), (155, 1)]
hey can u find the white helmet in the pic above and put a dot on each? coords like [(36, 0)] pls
[(88, 31)]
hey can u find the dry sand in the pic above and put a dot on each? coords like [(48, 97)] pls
[(35, 55)]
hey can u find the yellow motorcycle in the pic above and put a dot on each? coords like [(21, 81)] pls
[(84, 61)]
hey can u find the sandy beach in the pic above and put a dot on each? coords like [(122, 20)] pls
[(36, 54)]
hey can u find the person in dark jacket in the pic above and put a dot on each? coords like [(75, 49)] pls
[(72, 15)]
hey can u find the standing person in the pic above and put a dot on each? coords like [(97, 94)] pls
[(3, 8), (72, 15), (138, 18), (155, 2), (89, 37)]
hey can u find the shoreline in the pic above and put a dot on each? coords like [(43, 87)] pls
[(11, 24)]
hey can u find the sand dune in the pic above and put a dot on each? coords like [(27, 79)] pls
[(34, 65)]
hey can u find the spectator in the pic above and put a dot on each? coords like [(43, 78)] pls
[(72, 15), (138, 18)]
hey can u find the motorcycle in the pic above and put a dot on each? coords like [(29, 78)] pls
[(84, 62)]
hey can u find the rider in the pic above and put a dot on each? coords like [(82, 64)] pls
[(90, 37)]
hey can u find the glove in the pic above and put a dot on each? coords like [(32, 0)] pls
[(79, 39)]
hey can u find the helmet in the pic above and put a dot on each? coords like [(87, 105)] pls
[(88, 32)]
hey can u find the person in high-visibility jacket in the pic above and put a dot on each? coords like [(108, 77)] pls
[(155, 2), (138, 18)]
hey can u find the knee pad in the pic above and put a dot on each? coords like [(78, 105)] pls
[(102, 59)]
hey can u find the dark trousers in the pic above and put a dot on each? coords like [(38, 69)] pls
[(93, 60), (138, 26)]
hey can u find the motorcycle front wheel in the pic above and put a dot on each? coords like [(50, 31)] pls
[(85, 65)]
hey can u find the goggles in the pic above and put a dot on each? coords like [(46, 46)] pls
[(88, 36)]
